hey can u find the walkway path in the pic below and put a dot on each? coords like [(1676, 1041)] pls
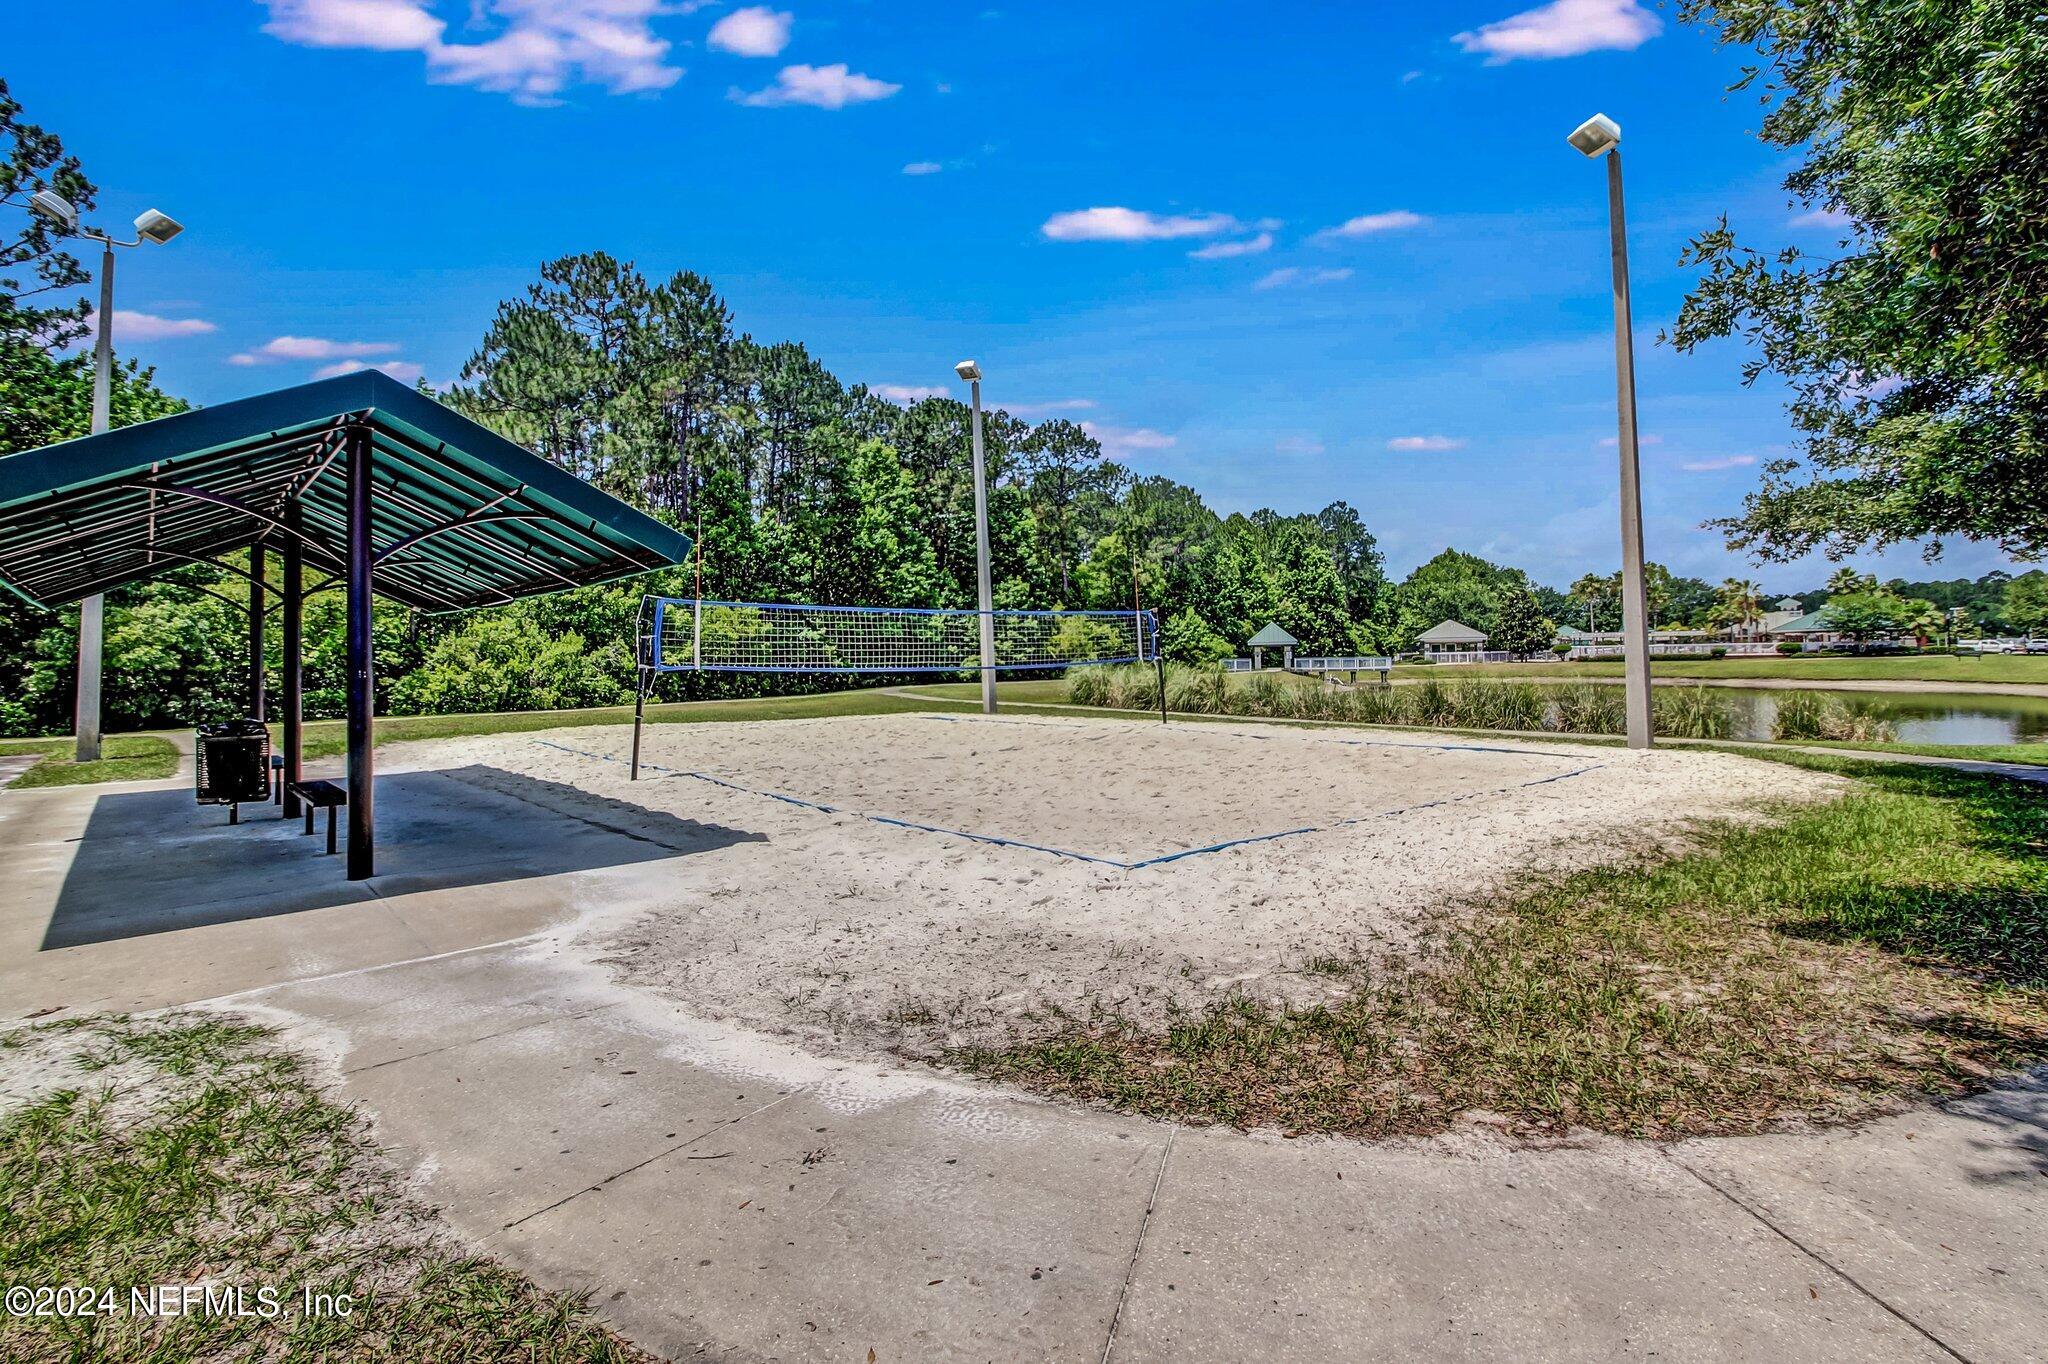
[(725, 1194)]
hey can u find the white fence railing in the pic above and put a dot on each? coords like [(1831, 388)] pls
[(1360, 664), (1736, 649), (1468, 656), (1237, 665)]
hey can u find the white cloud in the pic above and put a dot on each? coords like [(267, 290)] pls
[(1250, 246), (1030, 410), (284, 348), (1564, 28), (1703, 466), (538, 48), (821, 87), (923, 168), (1298, 446), (755, 31), (383, 25), (1823, 217), (405, 371), (1294, 274), (132, 326), (1425, 444), (1368, 224), (1614, 442), (905, 394), (1134, 225), (1121, 442)]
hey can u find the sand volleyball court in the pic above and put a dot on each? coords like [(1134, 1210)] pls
[(919, 881)]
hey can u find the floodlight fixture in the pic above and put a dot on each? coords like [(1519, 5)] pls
[(969, 371), (55, 207), (1597, 136), (158, 227)]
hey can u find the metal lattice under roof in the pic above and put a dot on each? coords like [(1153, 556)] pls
[(460, 516)]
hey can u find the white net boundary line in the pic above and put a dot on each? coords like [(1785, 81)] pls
[(686, 634)]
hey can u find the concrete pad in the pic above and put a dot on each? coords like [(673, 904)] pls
[(1268, 1249), (1940, 1213), (133, 896)]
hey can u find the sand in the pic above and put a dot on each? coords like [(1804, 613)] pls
[(856, 936)]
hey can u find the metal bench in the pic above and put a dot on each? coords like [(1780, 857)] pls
[(323, 795)]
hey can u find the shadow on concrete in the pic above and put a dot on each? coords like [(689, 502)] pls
[(154, 861)]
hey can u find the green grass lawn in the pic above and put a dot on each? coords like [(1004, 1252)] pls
[(1933, 668), (1891, 944), (187, 1149), (123, 757)]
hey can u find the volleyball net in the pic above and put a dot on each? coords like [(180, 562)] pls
[(687, 634)]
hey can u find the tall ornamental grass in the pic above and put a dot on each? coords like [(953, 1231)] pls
[(1694, 712)]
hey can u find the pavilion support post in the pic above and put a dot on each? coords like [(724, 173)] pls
[(290, 664), (256, 594), (362, 838)]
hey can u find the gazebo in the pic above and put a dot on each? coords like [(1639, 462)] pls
[(1451, 637), (1272, 637), (359, 478)]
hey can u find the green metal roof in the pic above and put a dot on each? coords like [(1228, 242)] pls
[(1812, 623), (460, 516), (1272, 637)]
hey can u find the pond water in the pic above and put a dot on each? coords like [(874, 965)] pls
[(1921, 717)]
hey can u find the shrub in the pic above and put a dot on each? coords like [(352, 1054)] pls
[(1589, 708), (1718, 651), (1791, 646), (1811, 715), (1692, 713), (504, 662), (1197, 691)]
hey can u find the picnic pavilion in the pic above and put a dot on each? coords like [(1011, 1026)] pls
[(359, 479)]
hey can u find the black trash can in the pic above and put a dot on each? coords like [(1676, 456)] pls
[(231, 764)]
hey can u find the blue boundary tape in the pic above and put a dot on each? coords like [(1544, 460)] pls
[(1117, 863)]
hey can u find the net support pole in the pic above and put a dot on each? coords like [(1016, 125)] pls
[(984, 592), (639, 716), (1159, 663)]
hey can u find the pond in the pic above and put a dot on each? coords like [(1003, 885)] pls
[(1920, 717)]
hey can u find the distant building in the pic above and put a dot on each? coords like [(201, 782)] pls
[(1451, 637), (1773, 622), (1272, 637)]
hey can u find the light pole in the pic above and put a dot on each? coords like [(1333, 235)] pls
[(984, 592), (152, 226), (1601, 136)]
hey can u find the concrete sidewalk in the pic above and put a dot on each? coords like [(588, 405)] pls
[(727, 1194)]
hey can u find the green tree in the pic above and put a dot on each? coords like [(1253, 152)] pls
[(2026, 603), (1864, 615), (1738, 605), (1187, 638), (1916, 346), (36, 274), (1308, 596), (1521, 628)]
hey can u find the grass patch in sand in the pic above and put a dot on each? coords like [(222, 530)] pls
[(187, 1148), (1838, 959), (123, 757)]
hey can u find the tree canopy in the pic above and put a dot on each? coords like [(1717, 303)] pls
[(1916, 349)]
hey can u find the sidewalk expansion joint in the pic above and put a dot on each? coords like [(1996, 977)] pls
[(1138, 1247), (1823, 1261)]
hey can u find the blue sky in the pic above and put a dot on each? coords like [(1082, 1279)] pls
[(1285, 252)]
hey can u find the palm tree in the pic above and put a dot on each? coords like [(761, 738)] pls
[(1738, 602)]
